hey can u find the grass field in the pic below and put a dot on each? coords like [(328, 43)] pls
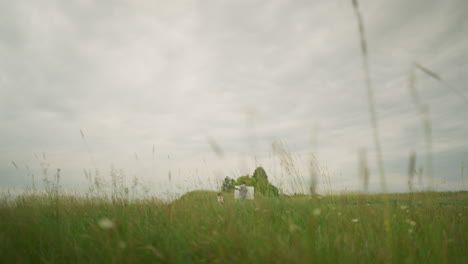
[(425, 227), (422, 227)]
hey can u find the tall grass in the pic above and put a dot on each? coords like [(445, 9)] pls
[(111, 223), (196, 229), (370, 95), (363, 170), (411, 171), (424, 109), (424, 113)]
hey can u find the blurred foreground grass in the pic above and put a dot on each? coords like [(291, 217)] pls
[(397, 228)]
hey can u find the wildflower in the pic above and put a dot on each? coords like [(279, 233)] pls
[(316, 211), (410, 230), (339, 213), (355, 220), (105, 223), (403, 207), (411, 222)]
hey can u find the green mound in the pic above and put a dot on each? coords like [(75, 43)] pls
[(198, 196)]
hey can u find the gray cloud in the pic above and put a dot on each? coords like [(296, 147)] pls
[(244, 73)]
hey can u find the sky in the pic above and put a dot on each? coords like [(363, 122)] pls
[(180, 94)]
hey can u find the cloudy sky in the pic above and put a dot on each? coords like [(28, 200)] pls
[(211, 85)]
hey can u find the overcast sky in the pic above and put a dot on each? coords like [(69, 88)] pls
[(212, 84)]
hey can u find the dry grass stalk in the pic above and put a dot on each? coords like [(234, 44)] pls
[(288, 163), (425, 119), (462, 175), (153, 154), (441, 80), (424, 109), (370, 95), (93, 163), (215, 147), (363, 169), (314, 172), (411, 170)]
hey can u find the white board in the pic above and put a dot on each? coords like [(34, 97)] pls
[(250, 193)]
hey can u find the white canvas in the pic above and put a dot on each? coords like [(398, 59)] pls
[(250, 193)]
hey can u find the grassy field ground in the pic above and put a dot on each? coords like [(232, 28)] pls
[(397, 228)]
